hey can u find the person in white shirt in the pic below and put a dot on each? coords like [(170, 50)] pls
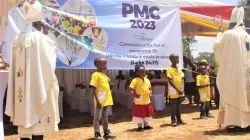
[(190, 83)]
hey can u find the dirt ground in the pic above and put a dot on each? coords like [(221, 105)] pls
[(78, 126)]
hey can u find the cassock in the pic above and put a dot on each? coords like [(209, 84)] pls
[(32, 98), (233, 78)]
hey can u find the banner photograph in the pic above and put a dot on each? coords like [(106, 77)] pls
[(126, 33)]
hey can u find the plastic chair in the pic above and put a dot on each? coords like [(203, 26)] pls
[(158, 97)]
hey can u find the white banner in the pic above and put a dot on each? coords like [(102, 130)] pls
[(125, 32)]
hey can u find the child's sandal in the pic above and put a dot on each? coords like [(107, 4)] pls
[(148, 128)]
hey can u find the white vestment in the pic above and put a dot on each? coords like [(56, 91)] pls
[(233, 79), (35, 109)]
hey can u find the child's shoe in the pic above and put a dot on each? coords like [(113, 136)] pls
[(139, 129), (174, 124), (148, 128), (203, 117), (98, 136), (109, 135), (181, 122), (210, 116)]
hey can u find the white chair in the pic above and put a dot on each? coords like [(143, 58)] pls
[(68, 96), (74, 98), (90, 100), (83, 101), (121, 89), (158, 98), (86, 102), (90, 96), (60, 103), (130, 101), (124, 97)]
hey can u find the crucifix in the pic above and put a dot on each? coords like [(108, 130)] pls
[(48, 119)]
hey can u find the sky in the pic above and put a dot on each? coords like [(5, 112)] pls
[(235, 2), (205, 44)]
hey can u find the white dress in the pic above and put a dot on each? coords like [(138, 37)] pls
[(233, 79), (32, 100)]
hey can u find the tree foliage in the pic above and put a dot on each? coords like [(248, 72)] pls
[(247, 16), (246, 4), (204, 55), (186, 45)]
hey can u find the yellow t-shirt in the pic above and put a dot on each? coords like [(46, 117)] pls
[(101, 82), (85, 22), (71, 19), (66, 23), (70, 29), (177, 78), (141, 87), (75, 30), (203, 80)]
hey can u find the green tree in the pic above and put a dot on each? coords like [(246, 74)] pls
[(204, 55), (247, 15), (246, 4), (186, 45)]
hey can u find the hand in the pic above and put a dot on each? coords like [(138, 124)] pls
[(212, 96), (98, 105), (137, 96), (180, 92), (150, 94), (221, 29)]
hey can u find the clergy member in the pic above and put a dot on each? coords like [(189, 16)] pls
[(32, 98), (233, 79)]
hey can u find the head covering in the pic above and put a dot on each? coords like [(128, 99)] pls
[(33, 11), (238, 16), (204, 61)]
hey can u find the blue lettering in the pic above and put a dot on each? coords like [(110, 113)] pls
[(151, 12), (138, 11), (127, 9)]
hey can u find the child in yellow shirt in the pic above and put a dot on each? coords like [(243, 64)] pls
[(74, 28), (66, 23), (102, 98), (140, 88), (203, 84), (175, 89)]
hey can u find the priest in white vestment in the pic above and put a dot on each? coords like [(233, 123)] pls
[(32, 98), (233, 79)]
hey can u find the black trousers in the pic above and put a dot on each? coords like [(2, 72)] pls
[(34, 138), (217, 95), (204, 109), (176, 109)]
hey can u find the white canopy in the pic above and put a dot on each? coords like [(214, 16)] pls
[(184, 3)]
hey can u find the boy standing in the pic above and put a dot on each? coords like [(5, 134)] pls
[(102, 98), (203, 84), (175, 90)]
